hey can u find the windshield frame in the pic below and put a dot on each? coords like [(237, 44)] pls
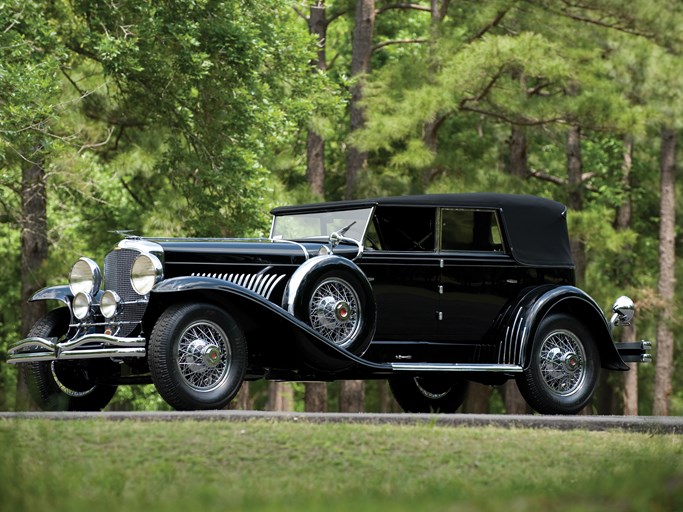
[(344, 216)]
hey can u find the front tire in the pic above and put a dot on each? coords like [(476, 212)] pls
[(197, 357), (429, 394), (63, 385), (564, 367)]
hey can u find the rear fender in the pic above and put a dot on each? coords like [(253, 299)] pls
[(518, 326)]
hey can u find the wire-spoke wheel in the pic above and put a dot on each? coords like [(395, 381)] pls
[(198, 356), (435, 393), (204, 356), (563, 362), (564, 367), (64, 385), (337, 302), (334, 311)]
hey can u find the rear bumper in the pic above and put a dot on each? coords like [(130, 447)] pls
[(90, 346), (635, 352)]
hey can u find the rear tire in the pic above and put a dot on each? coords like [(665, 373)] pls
[(429, 394), (564, 367), (197, 356), (63, 385)]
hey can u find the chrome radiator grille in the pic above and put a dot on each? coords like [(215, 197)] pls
[(117, 266)]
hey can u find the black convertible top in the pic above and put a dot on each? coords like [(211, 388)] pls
[(536, 227)]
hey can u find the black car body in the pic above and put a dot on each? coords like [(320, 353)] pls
[(429, 292)]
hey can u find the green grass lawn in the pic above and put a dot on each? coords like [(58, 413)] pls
[(188, 466)]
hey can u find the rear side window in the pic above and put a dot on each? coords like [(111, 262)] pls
[(470, 230)]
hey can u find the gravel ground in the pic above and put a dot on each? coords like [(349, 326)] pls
[(647, 424)]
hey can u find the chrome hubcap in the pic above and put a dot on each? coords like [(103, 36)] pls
[(204, 356), (341, 311), (563, 362)]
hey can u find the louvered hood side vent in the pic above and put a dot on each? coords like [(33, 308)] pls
[(262, 284)]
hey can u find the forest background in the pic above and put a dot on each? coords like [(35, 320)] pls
[(195, 117)]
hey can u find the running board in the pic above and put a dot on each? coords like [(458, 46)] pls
[(448, 367)]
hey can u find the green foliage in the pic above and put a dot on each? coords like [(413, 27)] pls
[(155, 117), (220, 86)]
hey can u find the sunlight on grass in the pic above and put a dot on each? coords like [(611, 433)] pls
[(258, 465)]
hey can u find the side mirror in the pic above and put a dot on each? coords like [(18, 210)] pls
[(623, 310)]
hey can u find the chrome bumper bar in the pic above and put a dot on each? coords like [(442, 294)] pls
[(635, 352), (45, 349)]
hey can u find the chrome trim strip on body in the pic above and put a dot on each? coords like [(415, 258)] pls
[(114, 346), (456, 367), (301, 246), (509, 349)]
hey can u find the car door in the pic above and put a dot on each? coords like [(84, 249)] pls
[(402, 265), (477, 276)]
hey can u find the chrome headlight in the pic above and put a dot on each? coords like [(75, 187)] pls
[(109, 304), (146, 272), (81, 305), (85, 276)]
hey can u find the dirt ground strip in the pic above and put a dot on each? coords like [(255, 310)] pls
[(647, 424)]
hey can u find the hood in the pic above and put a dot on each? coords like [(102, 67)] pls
[(241, 251)]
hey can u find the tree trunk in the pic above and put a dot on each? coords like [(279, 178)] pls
[(623, 220), (361, 45), (630, 392), (477, 399), (514, 401), (242, 401), (628, 333), (315, 144), (315, 163), (280, 396), (518, 164), (315, 398), (430, 129), (386, 399), (667, 253), (575, 203), (352, 396), (34, 248)]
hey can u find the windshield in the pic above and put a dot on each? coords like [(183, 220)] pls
[(321, 224)]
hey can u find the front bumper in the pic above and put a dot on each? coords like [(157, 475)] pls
[(90, 346), (635, 352)]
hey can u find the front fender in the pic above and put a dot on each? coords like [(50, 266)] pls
[(306, 274), (520, 321), (61, 293), (284, 328)]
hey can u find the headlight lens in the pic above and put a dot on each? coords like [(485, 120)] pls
[(109, 304), (146, 272), (81, 305), (85, 276)]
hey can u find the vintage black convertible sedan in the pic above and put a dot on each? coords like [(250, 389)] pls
[(429, 292)]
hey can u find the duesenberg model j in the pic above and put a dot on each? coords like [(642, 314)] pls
[(429, 292)]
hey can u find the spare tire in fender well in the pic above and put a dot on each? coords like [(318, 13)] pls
[(355, 324)]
